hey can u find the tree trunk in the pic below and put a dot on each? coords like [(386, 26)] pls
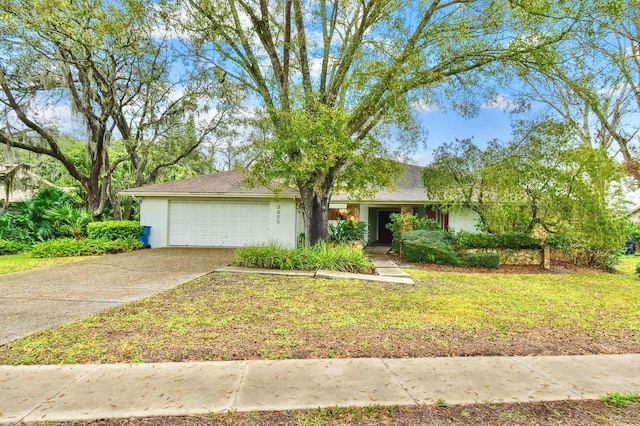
[(95, 203), (315, 211), (128, 205)]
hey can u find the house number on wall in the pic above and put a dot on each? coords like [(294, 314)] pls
[(278, 214)]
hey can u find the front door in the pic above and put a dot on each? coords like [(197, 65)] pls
[(384, 235)]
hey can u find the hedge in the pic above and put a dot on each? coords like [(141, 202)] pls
[(428, 246), (10, 247), (514, 240), (66, 247), (114, 230), (487, 260)]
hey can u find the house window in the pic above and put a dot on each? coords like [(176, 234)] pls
[(338, 214), (434, 212)]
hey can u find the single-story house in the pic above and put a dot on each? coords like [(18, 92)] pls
[(217, 210), (18, 183)]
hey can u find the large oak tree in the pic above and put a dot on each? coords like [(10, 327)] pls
[(330, 79), (105, 61)]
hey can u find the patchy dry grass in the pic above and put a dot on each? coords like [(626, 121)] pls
[(21, 262), (235, 316), (585, 413)]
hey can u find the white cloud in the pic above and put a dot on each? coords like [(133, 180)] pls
[(422, 158), (423, 105), (501, 102)]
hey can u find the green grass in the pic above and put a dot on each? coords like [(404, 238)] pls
[(621, 399), (23, 261), (627, 265), (244, 316)]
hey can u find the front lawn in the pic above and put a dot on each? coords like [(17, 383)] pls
[(236, 316), (23, 261)]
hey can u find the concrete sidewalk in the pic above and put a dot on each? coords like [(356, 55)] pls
[(80, 392)]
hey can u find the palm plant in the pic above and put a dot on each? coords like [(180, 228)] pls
[(68, 220)]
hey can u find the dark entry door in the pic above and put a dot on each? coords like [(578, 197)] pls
[(384, 235)]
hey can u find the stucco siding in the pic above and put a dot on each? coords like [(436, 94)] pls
[(465, 220), (280, 223), (154, 212)]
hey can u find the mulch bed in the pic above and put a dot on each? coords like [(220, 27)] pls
[(556, 268)]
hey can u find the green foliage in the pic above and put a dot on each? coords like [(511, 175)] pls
[(66, 247), (620, 399), (347, 230), (485, 260), (114, 230), (10, 247), (16, 227), (405, 222), (321, 256), (334, 130), (272, 256), (638, 269), (635, 231), (430, 247), (69, 220), (593, 256), (546, 177), (514, 240), (559, 242), (338, 258), (35, 219)]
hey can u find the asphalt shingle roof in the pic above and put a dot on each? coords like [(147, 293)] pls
[(221, 183), (409, 187)]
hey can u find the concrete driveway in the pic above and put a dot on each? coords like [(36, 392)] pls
[(41, 298)]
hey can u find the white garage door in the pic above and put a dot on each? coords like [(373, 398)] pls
[(218, 223)]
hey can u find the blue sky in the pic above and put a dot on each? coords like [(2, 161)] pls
[(446, 126)]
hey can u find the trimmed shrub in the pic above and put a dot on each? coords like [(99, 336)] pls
[(430, 247), (321, 256), (66, 247), (514, 240), (10, 247), (486, 260), (114, 230)]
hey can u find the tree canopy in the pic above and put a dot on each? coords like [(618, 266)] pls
[(330, 79), (102, 62), (546, 178), (593, 82)]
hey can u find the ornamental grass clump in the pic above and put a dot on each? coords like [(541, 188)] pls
[(321, 256)]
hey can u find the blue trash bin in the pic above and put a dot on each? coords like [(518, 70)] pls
[(144, 238)]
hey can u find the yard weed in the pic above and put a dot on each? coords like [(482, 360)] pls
[(620, 399), (440, 402), (306, 419)]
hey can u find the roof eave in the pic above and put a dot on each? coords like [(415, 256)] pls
[(143, 194)]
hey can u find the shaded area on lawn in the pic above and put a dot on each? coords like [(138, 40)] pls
[(240, 317), (586, 413)]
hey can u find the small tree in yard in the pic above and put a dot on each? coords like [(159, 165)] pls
[(545, 178)]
